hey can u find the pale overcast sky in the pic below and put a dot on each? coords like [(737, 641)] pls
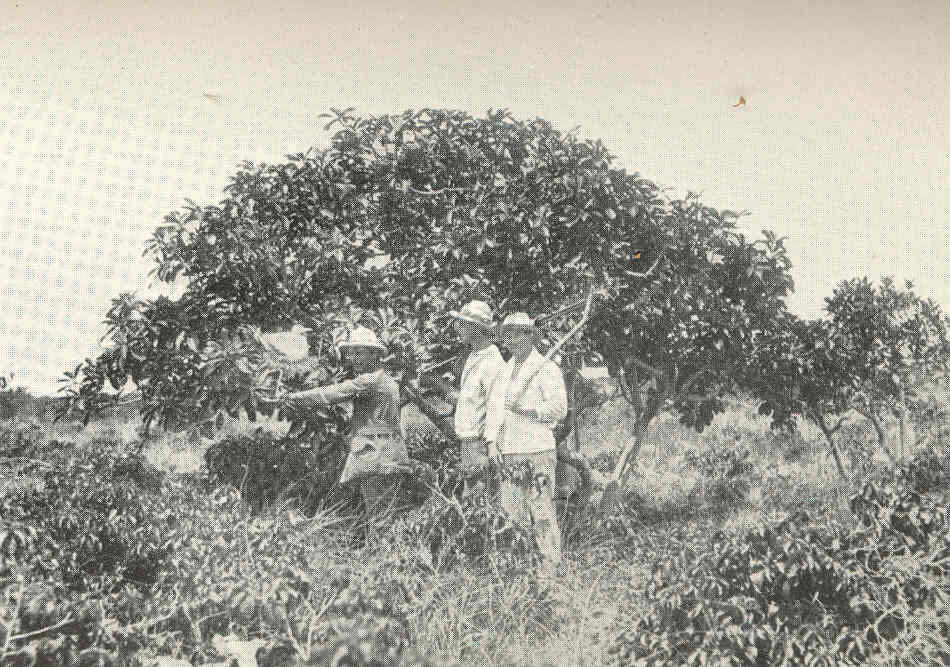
[(843, 144)]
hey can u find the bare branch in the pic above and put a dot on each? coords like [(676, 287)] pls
[(840, 423), (441, 190), (36, 633), (649, 272)]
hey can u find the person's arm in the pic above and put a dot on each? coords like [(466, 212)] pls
[(334, 393), (496, 384)]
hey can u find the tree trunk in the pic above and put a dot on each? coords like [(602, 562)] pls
[(624, 464), (829, 435), (881, 432)]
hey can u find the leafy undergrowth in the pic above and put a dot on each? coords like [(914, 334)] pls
[(108, 560), (808, 589)]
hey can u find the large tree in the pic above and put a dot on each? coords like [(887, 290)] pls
[(408, 215)]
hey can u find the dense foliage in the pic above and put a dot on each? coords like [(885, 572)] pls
[(875, 354), (106, 561), (806, 589), (414, 214)]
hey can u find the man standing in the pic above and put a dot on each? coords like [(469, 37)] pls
[(531, 400), (484, 368), (377, 452)]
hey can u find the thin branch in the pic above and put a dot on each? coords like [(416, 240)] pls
[(649, 272), (25, 459), (446, 189), (36, 633), (690, 381), (698, 398), (839, 424), (566, 309)]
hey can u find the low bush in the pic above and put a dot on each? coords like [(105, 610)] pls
[(93, 512), (799, 591), (725, 470), (268, 469), (927, 470)]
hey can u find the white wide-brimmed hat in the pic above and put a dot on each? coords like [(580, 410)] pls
[(363, 337), (518, 320), (477, 312)]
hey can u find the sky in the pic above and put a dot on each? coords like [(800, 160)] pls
[(843, 145)]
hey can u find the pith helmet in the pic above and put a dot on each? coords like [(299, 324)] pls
[(478, 312), (363, 337)]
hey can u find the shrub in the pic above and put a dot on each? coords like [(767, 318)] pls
[(797, 591), (96, 511), (927, 470), (724, 468), (267, 468)]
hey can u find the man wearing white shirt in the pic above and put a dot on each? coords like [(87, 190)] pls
[(525, 408), (484, 368)]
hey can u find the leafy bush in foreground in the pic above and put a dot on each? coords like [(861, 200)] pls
[(106, 561), (801, 591), (94, 513)]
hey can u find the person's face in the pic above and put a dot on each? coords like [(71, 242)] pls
[(364, 359), (520, 342)]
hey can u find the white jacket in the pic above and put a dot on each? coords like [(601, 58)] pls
[(483, 370), (545, 392)]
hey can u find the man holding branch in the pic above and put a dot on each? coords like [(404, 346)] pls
[(525, 408)]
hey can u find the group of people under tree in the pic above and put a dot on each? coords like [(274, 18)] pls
[(504, 419)]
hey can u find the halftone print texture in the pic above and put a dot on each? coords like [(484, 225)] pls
[(644, 446)]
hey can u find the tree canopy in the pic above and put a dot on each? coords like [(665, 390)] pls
[(408, 215)]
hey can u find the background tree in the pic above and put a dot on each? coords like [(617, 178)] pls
[(418, 212), (895, 341), (797, 372), (874, 355)]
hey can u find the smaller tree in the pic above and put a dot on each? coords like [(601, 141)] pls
[(871, 355), (894, 341), (796, 373)]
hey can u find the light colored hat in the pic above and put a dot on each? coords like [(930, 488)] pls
[(363, 337), (478, 312), (518, 320)]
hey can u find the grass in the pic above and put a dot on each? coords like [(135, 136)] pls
[(484, 616)]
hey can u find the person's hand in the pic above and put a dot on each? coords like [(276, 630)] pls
[(511, 405)]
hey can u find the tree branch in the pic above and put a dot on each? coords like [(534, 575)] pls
[(839, 424), (690, 381), (36, 633), (447, 189), (649, 272)]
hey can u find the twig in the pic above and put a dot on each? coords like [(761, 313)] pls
[(35, 633), (440, 191), (644, 366), (440, 364), (634, 274), (148, 622), (566, 309)]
